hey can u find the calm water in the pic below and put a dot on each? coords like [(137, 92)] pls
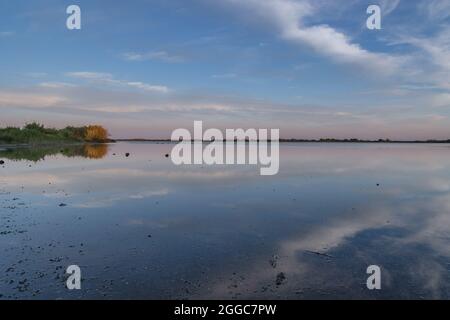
[(140, 227)]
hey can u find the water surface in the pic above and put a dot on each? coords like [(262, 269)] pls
[(141, 227)]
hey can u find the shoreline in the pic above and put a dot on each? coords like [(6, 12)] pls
[(166, 141), (297, 141)]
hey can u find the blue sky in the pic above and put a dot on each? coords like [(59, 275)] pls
[(143, 68)]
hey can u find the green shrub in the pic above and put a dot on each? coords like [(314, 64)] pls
[(35, 133)]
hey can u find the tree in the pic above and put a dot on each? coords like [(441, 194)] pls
[(34, 126), (95, 133)]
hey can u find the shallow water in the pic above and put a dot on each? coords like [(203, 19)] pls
[(141, 227)]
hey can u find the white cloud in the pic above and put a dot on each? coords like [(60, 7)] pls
[(437, 48), (21, 99), (162, 107), (153, 55), (436, 9), (56, 85), (200, 107), (337, 46), (148, 87), (91, 75), (109, 79), (388, 6), (289, 17), (432, 57)]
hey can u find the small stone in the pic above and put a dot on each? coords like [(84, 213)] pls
[(127, 154), (63, 205), (280, 278)]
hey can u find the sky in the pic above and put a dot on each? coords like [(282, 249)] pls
[(311, 68)]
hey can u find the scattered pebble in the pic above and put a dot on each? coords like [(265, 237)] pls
[(280, 279)]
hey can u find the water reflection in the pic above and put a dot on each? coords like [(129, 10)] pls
[(38, 153), (150, 229)]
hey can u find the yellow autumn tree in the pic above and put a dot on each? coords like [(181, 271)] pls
[(95, 133)]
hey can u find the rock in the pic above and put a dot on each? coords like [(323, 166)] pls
[(280, 278), (63, 205), (2, 162), (127, 154), (167, 155)]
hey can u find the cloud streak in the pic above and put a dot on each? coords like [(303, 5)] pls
[(153, 55), (23, 99), (107, 78), (288, 17)]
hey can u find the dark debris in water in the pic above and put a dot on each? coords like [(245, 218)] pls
[(273, 261), (281, 277), (319, 253)]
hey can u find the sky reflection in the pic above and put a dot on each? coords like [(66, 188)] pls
[(150, 229)]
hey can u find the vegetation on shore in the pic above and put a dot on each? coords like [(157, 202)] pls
[(35, 133)]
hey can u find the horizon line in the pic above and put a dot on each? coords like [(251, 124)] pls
[(292, 140)]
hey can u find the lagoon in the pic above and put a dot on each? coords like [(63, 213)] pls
[(141, 227)]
